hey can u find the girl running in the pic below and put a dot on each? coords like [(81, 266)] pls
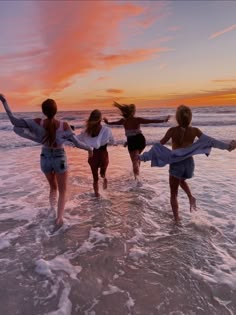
[(135, 139)]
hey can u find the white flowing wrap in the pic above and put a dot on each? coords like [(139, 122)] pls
[(159, 155), (29, 129), (104, 137)]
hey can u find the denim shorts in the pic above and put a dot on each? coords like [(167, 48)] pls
[(183, 169), (53, 160)]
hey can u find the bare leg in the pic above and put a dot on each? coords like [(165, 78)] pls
[(174, 185), (51, 177), (62, 188), (135, 161), (104, 183), (192, 200), (96, 188), (103, 174)]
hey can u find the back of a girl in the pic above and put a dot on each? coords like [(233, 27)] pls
[(184, 134)]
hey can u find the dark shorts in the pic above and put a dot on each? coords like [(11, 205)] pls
[(136, 142), (53, 160), (183, 169), (100, 160)]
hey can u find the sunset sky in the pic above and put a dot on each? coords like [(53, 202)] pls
[(85, 54)]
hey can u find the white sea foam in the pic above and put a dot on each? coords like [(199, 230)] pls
[(60, 263), (111, 290), (65, 305), (137, 253), (95, 237), (4, 244)]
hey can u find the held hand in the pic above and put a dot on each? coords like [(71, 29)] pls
[(232, 146), (2, 98), (167, 118), (105, 120)]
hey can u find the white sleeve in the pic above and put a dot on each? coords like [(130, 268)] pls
[(17, 122)]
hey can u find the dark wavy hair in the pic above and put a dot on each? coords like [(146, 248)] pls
[(93, 123), (126, 110)]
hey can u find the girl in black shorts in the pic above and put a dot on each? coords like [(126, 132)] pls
[(135, 139)]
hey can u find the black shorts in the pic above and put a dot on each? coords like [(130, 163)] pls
[(136, 142)]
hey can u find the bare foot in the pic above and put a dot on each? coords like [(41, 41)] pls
[(104, 183), (177, 220), (232, 145), (58, 225), (193, 205)]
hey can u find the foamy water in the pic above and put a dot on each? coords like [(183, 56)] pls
[(120, 254)]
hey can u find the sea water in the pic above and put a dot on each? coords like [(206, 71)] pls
[(121, 253)]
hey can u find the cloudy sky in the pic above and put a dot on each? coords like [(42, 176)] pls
[(85, 54)]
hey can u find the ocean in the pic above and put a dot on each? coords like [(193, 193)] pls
[(121, 253)]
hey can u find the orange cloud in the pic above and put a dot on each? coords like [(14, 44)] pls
[(226, 30), (224, 80), (223, 97), (114, 91), (75, 45), (132, 56), (102, 78)]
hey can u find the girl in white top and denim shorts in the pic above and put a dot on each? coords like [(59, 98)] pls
[(53, 159)]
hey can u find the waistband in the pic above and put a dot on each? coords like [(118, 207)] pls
[(101, 148), (134, 135), (52, 150), (132, 132)]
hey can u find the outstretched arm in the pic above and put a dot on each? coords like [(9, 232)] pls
[(152, 121), (17, 122), (77, 143), (118, 122), (166, 137)]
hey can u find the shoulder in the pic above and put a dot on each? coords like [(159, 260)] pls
[(196, 131), (138, 119), (172, 130)]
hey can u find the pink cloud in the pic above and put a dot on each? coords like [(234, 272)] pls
[(226, 30), (114, 91), (74, 44), (72, 39)]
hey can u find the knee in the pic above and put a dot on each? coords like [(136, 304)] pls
[(53, 186), (174, 194), (95, 179)]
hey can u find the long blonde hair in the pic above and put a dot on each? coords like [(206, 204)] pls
[(126, 110), (49, 108), (93, 124), (183, 116)]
